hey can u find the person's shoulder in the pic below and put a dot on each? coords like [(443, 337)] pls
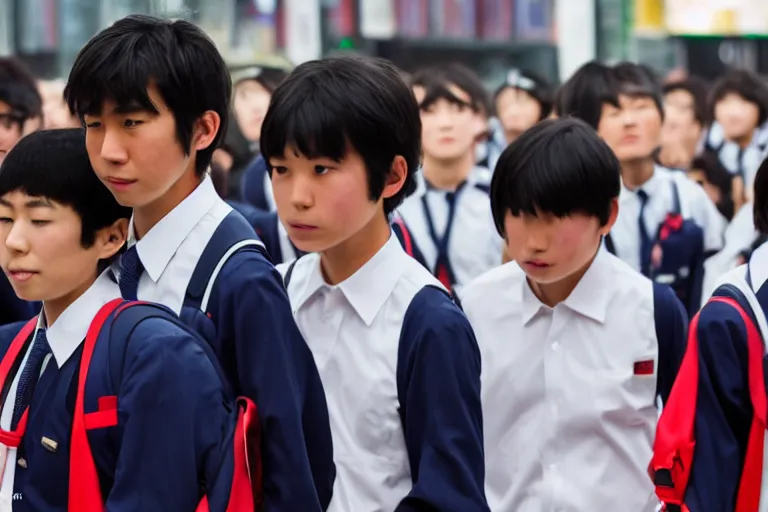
[(499, 288)]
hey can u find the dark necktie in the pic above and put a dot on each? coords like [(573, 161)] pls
[(130, 273), (30, 375), (645, 238)]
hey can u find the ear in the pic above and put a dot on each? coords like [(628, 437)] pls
[(396, 177), (205, 130), (111, 238), (604, 230)]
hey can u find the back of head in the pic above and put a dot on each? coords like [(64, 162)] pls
[(18, 90), (54, 164), (325, 107), (437, 80), (121, 61), (558, 167)]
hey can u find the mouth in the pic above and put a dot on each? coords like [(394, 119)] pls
[(302, 227), (120, 183), (630, 139), (537, 264), (21, 276)]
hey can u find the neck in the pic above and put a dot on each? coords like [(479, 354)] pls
[(146, 217), (553, 294), (746, 140), (54, 308), (448, 174), (511, 136), (636, 173), (342, 261)]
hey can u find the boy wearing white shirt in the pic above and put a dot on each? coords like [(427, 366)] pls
[(576, 346)]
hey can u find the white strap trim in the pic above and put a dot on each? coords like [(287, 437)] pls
[(220, 265), (738, 279)]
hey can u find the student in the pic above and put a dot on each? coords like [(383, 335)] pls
[(21, 110), (523, 100), (449, 214), (707, 171), (667, 226), (59, 227), (398, 359), (565, 406), (153, 95), (686, 119)]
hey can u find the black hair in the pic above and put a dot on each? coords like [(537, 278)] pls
[(123, 60), (638, 80), (745, 84), (698, 89), (760, 206), (269, 78), (54, 164), (436, 81), (532, 84), (558, 167), (583, 95), (715, 173), (327, 106), (18, 89)]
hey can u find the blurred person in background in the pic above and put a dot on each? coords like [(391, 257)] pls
[(21, 113), (686, 118), (739, 136), (55, 110), (523, 100), (253, 88), (707, 171)]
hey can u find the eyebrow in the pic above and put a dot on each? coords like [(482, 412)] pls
[(32, 203)]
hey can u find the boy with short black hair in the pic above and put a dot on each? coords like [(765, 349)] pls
[(448, 216), (398, 359), (153, 412), (576, 346), (154, 96)]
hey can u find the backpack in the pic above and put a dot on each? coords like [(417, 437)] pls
[(85, 489), (675, 442), (406, 240)]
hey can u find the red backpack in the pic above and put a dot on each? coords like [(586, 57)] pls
[(84, 488), (675, 443)]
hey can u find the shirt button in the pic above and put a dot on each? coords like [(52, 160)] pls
[(555, 345)]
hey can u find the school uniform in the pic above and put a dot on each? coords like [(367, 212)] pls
[(644, 213), (12, 308), (257, 342), (401, 372), (270, 231), (743, 162), (569, 393), (724, 408), (257, 185), (454, 230), (170, 413)]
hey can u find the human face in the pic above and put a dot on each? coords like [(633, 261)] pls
[(517, 111), (138, 156), (449, 130), (324, 203), (12, 129), (41, 251), (554, 251), (250, 106), (633, 129), (737, 116), (680, 124)]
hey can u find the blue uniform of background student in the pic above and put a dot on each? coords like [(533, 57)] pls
[(172, 416), (154, 95), (21, 112), (724, 408), (398, 359)]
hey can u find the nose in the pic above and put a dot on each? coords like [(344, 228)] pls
[(16, 240), (112, 149), (302, 196)]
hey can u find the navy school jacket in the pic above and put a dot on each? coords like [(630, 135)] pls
[(266, 226), (252, 188), (724, 411), (237, 302), (12, 308), (173, 420)]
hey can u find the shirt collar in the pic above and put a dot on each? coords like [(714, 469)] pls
[(590, 298), (650, 187), (367, 289), (159, 245), (70, 328)]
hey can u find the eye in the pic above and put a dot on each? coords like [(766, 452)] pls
[(278, 169), (40, 223), (321, 169), (5, 220), (132, 123), (93, 124)]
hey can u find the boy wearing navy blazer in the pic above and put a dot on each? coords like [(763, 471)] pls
[(156, 421), (154, 96), (398, 359)]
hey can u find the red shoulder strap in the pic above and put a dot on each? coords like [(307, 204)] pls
[(12, 439), (748, 498), (674, 444), (406, 235), (84, 488)]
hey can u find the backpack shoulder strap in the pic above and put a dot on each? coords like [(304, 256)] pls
[(233, 234), (289, 273), (403, 234)]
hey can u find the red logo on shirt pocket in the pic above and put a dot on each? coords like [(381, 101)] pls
[(644, 367), (105, 417)]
